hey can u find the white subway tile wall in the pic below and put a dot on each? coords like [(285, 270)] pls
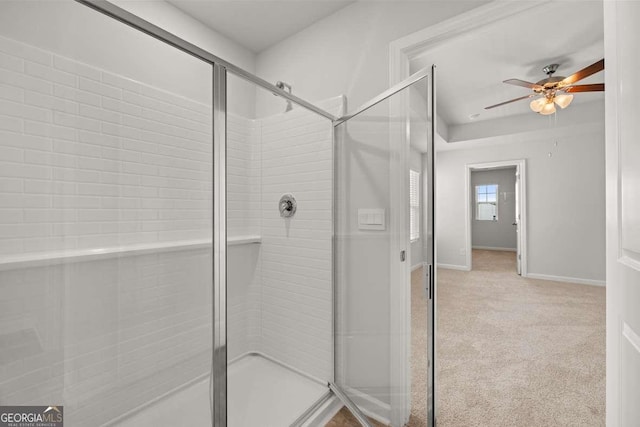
[(97, 160), (297, 299)]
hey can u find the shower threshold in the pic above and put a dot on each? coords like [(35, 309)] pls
[(261, 392)]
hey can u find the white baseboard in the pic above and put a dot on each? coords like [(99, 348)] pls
[(454, 267), (565, 279), (490, 248), (370, 406), (415, 267)]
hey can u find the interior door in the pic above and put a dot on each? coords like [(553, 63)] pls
[(622, 41), (516, 223), (372, 287)]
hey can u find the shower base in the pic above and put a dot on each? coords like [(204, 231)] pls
[(261, 392)]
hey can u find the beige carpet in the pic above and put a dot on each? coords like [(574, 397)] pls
[(518, 352), (419, 360)]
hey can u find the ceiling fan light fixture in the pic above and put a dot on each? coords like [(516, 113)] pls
[(538, 104), (549, 108), (563, 101)]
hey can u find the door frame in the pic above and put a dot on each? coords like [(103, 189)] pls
[(520, 166), (401, 52)]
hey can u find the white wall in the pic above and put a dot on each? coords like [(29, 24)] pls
[(173, 20), (565, 204), (75, 31), (347, 53), (501, 233)]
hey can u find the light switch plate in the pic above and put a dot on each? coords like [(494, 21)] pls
[(372, 219)]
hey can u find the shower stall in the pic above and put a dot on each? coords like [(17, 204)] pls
[(178, 246)]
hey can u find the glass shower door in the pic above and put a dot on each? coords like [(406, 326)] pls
[(373, 328)]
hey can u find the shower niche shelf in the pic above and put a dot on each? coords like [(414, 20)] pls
[(243, 240), (40, 259)]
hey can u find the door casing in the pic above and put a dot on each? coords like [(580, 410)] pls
[(521, 182)]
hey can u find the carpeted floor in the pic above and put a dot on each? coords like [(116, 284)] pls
[(511, 351), (419, 360), (518, 352)]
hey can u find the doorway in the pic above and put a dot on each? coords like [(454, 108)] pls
[(496, 210)]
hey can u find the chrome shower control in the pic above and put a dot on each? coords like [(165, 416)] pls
[(287, 206)]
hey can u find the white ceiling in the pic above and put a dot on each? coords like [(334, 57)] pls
[(258, 24), (471, 68)]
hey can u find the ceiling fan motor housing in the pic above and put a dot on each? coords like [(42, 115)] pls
[(550, 82), (550, 69)]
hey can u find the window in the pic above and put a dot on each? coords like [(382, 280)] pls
[(414, 205), (487, 202)]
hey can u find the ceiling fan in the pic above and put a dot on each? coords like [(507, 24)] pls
[(556, 90)]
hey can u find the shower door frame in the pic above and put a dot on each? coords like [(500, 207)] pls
[(220, 68)]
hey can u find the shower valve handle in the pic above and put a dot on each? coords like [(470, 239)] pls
[(287, 206)]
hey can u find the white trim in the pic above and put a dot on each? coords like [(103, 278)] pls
[(415, 267), (401, 51), (565, 279), (520, 164), (415, 44), (631, 336), (489, 248), (453, 267)]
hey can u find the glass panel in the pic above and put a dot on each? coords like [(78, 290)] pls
[(279, 288), (367, 333), (105, 219)]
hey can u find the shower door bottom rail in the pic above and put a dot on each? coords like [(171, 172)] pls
[(352, 407)]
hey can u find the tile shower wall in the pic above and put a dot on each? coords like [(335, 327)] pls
[(296, 253), (103, 337), (93, 159)]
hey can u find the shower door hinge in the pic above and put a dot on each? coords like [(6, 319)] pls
[(403, 256)]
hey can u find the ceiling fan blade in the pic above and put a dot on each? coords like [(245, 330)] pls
[(523, 83), (509, 102), (585, 72), (596, 87)]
